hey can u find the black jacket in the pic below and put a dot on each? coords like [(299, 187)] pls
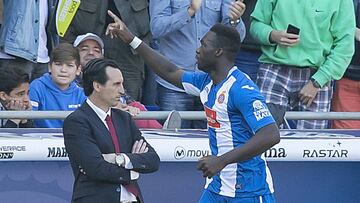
[(86, 139)]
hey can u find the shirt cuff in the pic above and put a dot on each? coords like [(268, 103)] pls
[(11, 124), (134, 175), (321, 78), (264, 33), (240, 27), (183, 17), (128, 164)]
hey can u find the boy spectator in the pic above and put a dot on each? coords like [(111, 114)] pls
[(57, 90), (14, 95)]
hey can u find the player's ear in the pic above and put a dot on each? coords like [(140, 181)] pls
[(49, 67), (2, 95), (96, 86), (78, 70), (219, 52)]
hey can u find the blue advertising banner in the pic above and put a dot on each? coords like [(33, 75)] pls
[(307, 166)]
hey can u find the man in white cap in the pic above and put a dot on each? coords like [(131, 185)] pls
[(90, 46)]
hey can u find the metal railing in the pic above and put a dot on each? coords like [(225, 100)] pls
[(186, 115)]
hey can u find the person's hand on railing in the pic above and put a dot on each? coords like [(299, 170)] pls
[(133, 111)]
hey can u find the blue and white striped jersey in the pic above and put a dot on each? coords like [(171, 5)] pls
[(235, 110)]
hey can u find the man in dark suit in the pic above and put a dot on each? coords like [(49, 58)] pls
[(106, 149), (92, 17)]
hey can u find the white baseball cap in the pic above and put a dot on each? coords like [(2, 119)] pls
[(87, 36)]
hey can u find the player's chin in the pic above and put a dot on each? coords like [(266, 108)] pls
[(115, 102), (200, 67)]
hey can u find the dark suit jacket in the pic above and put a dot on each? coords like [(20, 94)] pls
[(86, 139)]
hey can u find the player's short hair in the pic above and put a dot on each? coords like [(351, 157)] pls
[(64, 53), (11, 76), (227, 38), (95, 71)]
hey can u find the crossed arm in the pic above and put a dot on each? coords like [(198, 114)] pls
[(84, 153)]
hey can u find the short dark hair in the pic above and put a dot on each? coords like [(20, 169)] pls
[(227, 38), (95, 71), (65, 52), (11, 76)]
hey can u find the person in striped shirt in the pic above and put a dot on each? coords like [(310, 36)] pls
[(240, 125)]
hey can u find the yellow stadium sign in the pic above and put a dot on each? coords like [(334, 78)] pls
[(65, 12)]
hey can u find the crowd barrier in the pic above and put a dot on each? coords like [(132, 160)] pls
[(187, 145), (307, 166), (186, 115)]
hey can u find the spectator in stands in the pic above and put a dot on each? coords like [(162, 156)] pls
[(27, 35), (57, 90), (297, 70), (347, 90), (90, 47), (179, 26), (92, 17), (14, 95), (247, 58), (240, 125), (134, 107)]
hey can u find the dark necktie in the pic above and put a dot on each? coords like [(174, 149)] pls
[(131, 186), (113, 134)]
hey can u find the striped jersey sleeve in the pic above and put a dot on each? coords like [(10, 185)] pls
[(194, 82)]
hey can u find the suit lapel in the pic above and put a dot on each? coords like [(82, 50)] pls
[(120, 129), (98, 124)]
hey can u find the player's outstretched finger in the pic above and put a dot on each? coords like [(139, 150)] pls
[(113, 16)]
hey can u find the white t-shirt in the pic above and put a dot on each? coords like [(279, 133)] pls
[(43, 56)]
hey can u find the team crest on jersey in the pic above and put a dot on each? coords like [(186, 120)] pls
[(221, 97), (260, 110), (211, 117)]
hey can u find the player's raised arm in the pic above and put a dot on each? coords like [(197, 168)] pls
[(158, 63)]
